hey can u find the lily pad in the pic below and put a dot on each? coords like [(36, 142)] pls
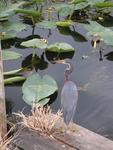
[(93, 2), (43, 102), (35, 43), (104, 4), (66, 23), (37, 88), (60, 47), (95, 28), (11, 29), (8, 9), (64, 9), (77, 1), (46, 24), (38, 104), (28, 12), (13, 72), (81, 5), (14, 79), (10, 55)]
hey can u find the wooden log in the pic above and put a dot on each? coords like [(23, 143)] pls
[(81, 139), (3, 127)]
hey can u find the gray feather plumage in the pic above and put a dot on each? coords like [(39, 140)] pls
[(69, 98)]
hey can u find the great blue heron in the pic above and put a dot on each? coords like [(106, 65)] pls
[(69, 94)]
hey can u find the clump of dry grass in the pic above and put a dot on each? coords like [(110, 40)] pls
[(4, 143), (41, 119), (7, 140)]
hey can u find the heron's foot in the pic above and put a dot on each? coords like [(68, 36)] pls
[(62, 128), (72, 127)]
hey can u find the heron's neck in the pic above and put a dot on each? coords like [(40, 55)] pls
[(66, 77), (67, 72)]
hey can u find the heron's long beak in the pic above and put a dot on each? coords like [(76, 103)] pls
[(60, 61)]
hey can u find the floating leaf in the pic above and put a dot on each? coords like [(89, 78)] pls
[(12, 72), (9, 9), (11, 29), (43, 102), (9, 55), (35, 43), (93, 2), (3, 19), (39, 104), (64, 9), (66, 23), (32, 13), (95, 28), (77, 1), (36, 88), (81, 6), (14, 79), (46, 24), (60, 47), (104, 4)]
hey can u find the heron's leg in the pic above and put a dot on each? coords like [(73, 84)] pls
[(72, 127), (63, 128)]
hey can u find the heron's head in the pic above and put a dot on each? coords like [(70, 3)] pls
[(68, 69)]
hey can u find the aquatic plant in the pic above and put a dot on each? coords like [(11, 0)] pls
[(36, 89), (10, 55), (8, 9), (60, 47), (35, 43), (95, 28)]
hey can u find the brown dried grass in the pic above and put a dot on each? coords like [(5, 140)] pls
[(7, 140), (41, 119)]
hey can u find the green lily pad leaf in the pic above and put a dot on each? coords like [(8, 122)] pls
[(35, 43), (37, 88), (14, 79), (11, 29), (81, 6), (46, 24), (8, 9), (10, 55), (13, 72), (38, 104), (95, 28), (60, 47), (9, 26), (43, 102), (64, 23), (63, 9), (104, 4), (27, 12), (93, 2), (3, 19), (77, 1)]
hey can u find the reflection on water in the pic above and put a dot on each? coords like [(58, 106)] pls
[(95, 104)]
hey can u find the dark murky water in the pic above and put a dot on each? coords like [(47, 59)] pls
[(95, 105)]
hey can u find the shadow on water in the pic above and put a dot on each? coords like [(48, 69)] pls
[(55, 56), (73, 33), (34, 62), (109, 56)]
